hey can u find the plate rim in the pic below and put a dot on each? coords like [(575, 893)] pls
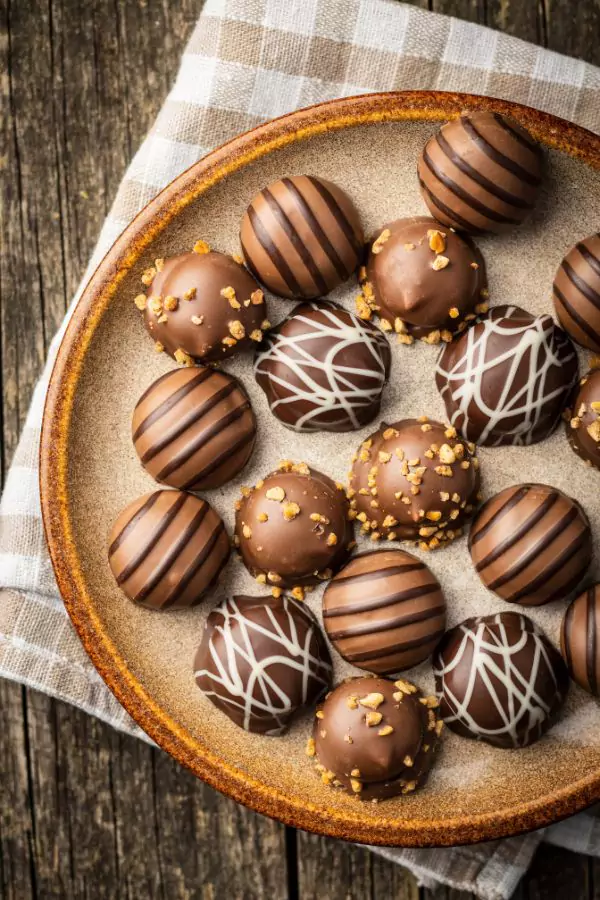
[(333, 115)]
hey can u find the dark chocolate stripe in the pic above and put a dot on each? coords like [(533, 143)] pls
[(567, 636), (582, 286), (129, 527), (394, 649), (338, 213), (170, 401), (516, 536), (512, 501), (179, 589), (154, 384), (296, 241), (263, 238), (590, 654), (490, 186), (497, 156), (592, 261), (548, 573), (207, 435), (374, 576), (219, 460), (150, 543), (316, 229), (388, 600), (454, 217), (576, 316), (172, 556), (521, 136), (387, 625)]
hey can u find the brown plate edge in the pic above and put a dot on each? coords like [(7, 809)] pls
[(242, 150)]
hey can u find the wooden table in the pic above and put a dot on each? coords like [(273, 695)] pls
[(84, 811)]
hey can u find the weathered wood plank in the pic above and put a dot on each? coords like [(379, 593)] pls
[(573, 28), (557, 873)]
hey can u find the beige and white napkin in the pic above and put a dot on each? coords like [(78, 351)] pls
[(248, 61)]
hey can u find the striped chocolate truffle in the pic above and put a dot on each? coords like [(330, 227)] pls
[(577, 293), (481, 173), (384, 612), (580, 641), (302, 237), (167, 549), (194, 429), (531, 544)]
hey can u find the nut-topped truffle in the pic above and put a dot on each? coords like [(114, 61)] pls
[(422, 281), (577, 292), (414, 480), (375, 738), (293, 529), (202, 306), (583, 420)]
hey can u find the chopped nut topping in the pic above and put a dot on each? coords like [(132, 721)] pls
[(474, 265), (348, 739), (262, 517), (229, 341), (290, 511), (399, 326), (355, 773), (453, 313), (262, 578), (440, 262), (385, 325), (190, 294), (437, 240), (430, 702), (141, 301), (171, 303), (482, 308), (257, 297), (398, 696), (201, 247), (405, 686), (387, 729), (380, 241), (311, 748), (247, 531), (372, 701), (594, 431), (373, 718), (275, 493), (408, 761), (595, 404), (444, 471), (183, 358), (405, 339), (389, 522), (409, 787), (447, 454), (237, 330), (389, 433), (162, 319), (331, 539), (158, 347), (273, 577), (409, 246), (320, 714), (384, 457), (356, 785), (148, 276), (352, 702), (434, 515), (297, 592)]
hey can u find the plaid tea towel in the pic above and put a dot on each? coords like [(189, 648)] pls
[(248, 61)]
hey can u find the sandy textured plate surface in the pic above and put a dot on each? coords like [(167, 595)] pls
[(89, 470)]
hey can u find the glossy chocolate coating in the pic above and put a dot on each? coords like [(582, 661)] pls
[(323, 369), (223, 315), (293, 529), (194, 428), (167, 549), (579, 640), (261, 660), (481, 173), (414, 480), (421, 291), (500, 680), (577, 293), (507, 379), (531, 544), (583, 425), (301, 237), (375, 738), (384, 612)]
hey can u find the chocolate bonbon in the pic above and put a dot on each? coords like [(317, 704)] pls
[(384, 611), (261, 660), (322, 369), (577, 292), (580, 642), (583, 420)]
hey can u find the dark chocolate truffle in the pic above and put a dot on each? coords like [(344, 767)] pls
[(422, 281), (293, 529), (261, 660), (507, 379), (500, 680), (202, 306), (167, 549), (583, 421), (384, 611), (531, 544), (414, 480), (322, 369), (577, 293), (375, 738), (194, 429), (579, 641), (301, 237), (481, 173)]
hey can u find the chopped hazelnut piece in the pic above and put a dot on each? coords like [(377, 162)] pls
[(440, 262), (356, 785), (594, 431), (197, 320), (247, 531), (387, 729), (229, 341), (275, 493), (372, 701), (373, 718), (158, 347), (141, 301), (408, 761), (320, 714), (290, 511), (148, 276), (201, 247), (348, 739), (171, 303), (311, 749), (405, 686), (447, 454), (183, 358), (453, 313), (352, 702), (437, 241), (237, 330), (331, 539), (380, 241), (190, 294), (384, 457)]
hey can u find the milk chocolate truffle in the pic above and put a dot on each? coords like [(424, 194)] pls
[(481, 173), (375, 738), (422, 281), (507, 379), (577, 293), (293, 529), (167, 549), (384, 612), (202, 306), (261, 660), (500, 680), (414, 480), (322, 369), (579, 641), (583, 421), (194, 429), (531, 544), (301, 237)]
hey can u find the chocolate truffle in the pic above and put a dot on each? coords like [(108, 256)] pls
[(481, 173), (167, 549), (500, 680), (414, 481), (384, 611), (194, 429), (322, 369), (375, 738), (577, 293), (531, 544), (579, 642), (293, 529), (202, 306), (261, 660), (583, 422), (422, 281), (508, 378), (301, 237)]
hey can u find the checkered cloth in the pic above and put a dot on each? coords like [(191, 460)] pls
[(248, 61)]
